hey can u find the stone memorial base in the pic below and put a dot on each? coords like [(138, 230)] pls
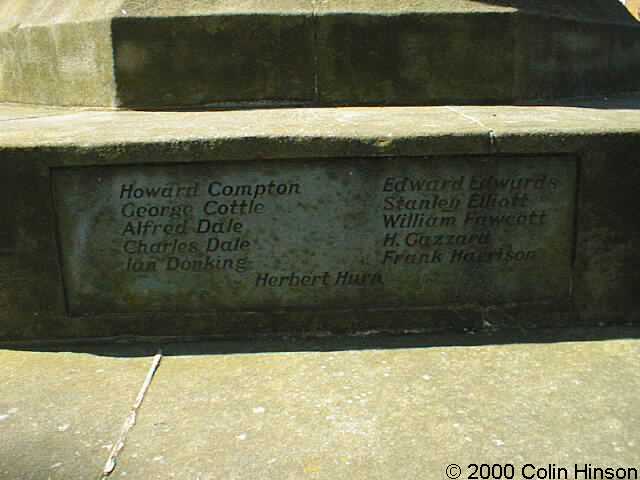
[(306, 221)]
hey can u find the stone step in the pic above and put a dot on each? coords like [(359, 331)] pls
[(317, 220), (168, 54)]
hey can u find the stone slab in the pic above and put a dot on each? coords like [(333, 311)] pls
[(388, 414), (410, 232), (415, 58), (60, 413), (259, 58), (601, 136), (384, 130)]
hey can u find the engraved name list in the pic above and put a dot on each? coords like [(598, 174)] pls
[(256, 235)]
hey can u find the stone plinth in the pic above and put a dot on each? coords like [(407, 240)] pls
[(132, 54), (245, 222)]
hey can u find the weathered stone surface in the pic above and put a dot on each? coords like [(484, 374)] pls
[(387, 414), (60, 413), (599, 136), (343, 233), (57, 63), (416, 58), (213, 59), (331, 407), (7, 225), (163, 53)]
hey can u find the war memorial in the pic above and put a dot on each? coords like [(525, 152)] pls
[(319, 239), (258, 167)]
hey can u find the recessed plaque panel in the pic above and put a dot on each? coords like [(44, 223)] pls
[(318, 234)]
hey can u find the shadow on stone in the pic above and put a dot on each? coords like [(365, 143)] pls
[(126, 347), (601, 10)]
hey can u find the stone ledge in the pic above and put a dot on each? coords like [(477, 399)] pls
[(388, 130)]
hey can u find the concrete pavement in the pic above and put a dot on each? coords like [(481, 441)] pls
[(355, 407)]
